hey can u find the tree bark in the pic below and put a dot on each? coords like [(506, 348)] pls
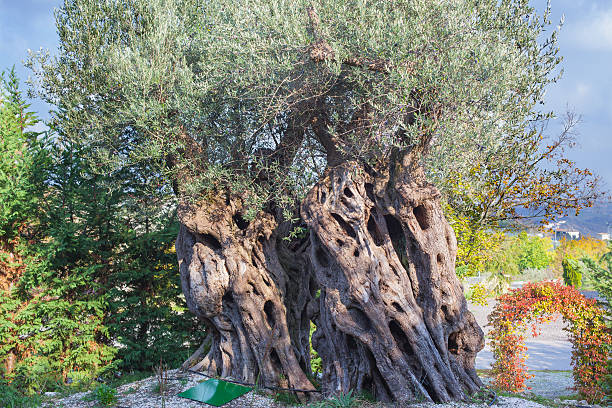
[(251, 290), (391, 316), (393, 319)]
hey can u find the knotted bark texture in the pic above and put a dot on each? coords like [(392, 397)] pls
[(393, 319), (250, 289)]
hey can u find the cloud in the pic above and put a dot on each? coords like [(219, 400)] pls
[(593, 32)]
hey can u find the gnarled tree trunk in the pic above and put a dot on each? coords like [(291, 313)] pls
[(393, 319), (391, 316), (251, 290)]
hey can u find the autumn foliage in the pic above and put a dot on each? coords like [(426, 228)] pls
[(536, 303), (576, 249)]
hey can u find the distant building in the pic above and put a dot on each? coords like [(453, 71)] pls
[(604, 236), (568, 234)]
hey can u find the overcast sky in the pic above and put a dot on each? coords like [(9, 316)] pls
[(585, 43)]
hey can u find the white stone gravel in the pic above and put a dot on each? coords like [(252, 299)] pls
[(142, 394)]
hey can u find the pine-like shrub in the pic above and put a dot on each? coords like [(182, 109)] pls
[(572, 272)]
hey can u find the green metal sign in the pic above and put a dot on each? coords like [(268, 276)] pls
[(215, 392)]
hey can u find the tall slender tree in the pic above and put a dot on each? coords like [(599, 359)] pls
[(79, 252), (22, 172)]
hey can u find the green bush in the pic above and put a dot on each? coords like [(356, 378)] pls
[(534, 252), (105, 396), (521, 253), (36, 375), (600, 274), (463, 271), (572, 272), (11, 397)]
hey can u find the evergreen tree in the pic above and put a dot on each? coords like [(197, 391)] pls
[(23, 161), (600, 274), (22, 164), (65, 276), (147, 313), (89, 275), (147, 310)]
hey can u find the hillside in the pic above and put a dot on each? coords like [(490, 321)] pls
[(591, 221)]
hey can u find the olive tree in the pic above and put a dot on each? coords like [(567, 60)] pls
[(297, 136)]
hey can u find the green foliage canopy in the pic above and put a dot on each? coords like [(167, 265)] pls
[(209, 91), (534, 252)]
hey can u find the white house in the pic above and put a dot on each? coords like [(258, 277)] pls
[(569, 234)]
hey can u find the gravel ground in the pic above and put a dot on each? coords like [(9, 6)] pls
[(142, 394), (547, 384), (550, 350), (551, 384)]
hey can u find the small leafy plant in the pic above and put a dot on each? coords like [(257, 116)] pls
[(162, 381), (105, 396), (477, 294), (348, 400), (286, 398)]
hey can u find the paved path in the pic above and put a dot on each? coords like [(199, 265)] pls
[(551, 350)]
